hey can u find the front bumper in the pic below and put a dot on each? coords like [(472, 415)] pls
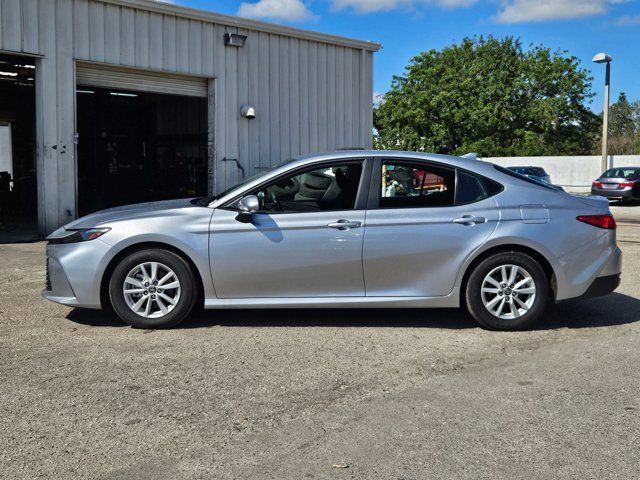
[(615, 194), (57, 287), (75, 273)]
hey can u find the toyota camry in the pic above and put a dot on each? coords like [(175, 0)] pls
[(364, 229)]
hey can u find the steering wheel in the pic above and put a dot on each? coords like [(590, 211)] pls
[(276, 202)]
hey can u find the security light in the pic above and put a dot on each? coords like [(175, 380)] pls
[(247, 111), (234, 40)]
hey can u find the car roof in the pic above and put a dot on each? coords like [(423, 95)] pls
[(466, 163)]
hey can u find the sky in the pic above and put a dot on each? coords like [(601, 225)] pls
[(408, 27)]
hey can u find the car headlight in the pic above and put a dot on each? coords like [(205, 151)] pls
[(78, 235)]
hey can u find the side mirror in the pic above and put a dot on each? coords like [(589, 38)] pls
[(247, 206)]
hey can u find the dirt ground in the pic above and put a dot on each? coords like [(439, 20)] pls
[(318, 394)]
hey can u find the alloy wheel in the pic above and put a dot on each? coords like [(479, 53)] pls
[(508, 292), (151, 289)]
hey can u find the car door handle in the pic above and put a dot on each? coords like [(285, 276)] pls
[(344, 224), (469, 220)]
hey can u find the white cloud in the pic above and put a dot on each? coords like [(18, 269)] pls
[(368, 6), (629, 20), (287, 10), (519, 11)]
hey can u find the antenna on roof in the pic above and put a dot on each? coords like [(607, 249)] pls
[(471, 155)]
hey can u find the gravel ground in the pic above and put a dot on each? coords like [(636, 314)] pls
[(313, 394)]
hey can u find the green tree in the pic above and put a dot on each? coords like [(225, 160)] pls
[(489, 96), (624, 127)]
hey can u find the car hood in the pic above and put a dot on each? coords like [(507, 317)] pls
[(128, 212)]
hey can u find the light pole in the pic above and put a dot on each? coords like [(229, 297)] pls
[(604, 58)]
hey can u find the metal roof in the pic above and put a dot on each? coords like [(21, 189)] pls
[(221, 19)]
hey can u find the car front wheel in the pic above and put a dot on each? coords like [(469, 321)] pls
[(153, 288), (507, 291)]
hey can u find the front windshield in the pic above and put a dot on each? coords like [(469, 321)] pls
[(242, 183)]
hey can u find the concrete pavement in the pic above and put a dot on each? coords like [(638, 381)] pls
[(318, 394)]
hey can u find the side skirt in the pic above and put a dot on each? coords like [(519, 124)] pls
[(449, 301)]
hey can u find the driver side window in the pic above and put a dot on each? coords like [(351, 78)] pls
[(332, 187)]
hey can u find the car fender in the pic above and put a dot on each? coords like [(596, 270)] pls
[(506, 242), (197, 252)]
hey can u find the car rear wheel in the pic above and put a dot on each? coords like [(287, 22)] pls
[(507, 291), (153, 289)]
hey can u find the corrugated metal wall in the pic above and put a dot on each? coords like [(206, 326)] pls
[(309, 95)]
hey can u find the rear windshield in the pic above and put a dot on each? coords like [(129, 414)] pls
[(535, 171), (622, 173), (520, 176)]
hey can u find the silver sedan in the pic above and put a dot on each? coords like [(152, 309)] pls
[(365, 229)]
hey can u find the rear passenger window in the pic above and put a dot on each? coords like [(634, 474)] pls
[(470, 189), (473, 188), (416, 185)]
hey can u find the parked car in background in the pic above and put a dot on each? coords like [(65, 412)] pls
[(620, 183), (370, 229), (537, 173)]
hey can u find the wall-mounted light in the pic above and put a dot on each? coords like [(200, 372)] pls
[(247, 111), (234, 40)]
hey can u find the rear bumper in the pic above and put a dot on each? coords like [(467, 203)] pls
[(583, 267), (600, 286), (624, 194)]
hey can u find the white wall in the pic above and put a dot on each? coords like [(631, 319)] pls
[(574, 173)]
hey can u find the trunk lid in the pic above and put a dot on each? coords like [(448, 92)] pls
[(601, 203)]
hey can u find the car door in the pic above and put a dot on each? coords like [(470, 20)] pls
[(418, 233), (305, 241)]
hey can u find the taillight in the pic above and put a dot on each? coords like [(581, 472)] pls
[(597, 184), (601, 221), (627, 184)]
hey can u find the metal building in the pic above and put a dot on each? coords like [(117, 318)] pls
[(105, 102)]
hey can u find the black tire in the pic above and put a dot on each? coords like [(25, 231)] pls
[(188, 289), (473, 294)]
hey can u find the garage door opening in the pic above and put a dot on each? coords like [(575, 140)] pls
[(18, 178), (138, 147)]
